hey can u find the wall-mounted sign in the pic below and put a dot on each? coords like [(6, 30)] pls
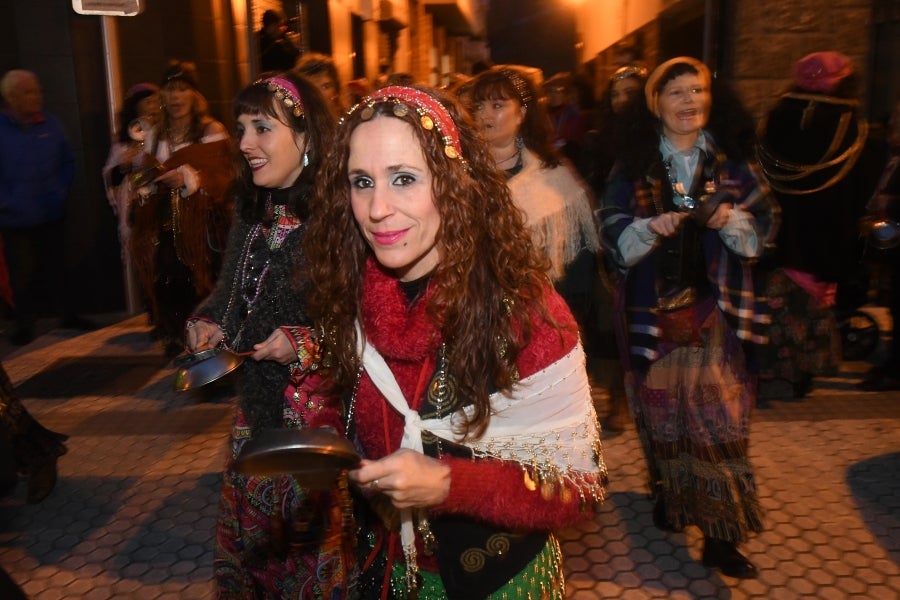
[(114, 8)]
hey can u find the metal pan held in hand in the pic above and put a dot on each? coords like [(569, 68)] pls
[(315, 457)]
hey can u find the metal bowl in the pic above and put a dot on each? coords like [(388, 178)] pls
[(315, 457), (204, 367)]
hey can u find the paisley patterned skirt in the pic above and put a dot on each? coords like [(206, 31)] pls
[(275, 539), (692, 411)]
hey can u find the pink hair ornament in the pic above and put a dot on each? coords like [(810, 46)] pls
[(286, 92)]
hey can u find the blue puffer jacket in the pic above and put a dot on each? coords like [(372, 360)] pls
[(36, 169)]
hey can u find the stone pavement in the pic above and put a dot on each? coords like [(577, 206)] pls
[(133, 514)]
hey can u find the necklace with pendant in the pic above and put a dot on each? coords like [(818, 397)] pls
[(687, 202)]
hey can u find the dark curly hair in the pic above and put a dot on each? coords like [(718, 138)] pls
[(316, 122), (488, 263)]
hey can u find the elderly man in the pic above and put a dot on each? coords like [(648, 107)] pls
[(36, 169)]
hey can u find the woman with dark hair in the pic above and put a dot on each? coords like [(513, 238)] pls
[(321, 70), (685, 223), (623, 92), (618, 108), (460, 363), (180, 219), (138, 116), (557, 204), (274, 538)]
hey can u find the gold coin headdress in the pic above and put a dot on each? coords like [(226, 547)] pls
[(432, 114), (285, 92)]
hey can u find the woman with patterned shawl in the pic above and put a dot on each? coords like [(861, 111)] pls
[(685, 217), (466, 388), (275, 538)]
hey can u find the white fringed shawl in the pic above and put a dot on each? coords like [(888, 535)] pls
[(557, 206), (547, 423)]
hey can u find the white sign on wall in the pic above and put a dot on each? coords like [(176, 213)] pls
[(113, 8)]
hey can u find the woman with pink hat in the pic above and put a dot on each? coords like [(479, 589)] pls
[(813, 147)]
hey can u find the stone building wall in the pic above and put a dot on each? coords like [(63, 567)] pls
[(769, 36)]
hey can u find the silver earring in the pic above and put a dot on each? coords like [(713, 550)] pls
[(306, 159)]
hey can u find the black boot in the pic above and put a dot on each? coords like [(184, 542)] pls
[(723, 555), (42, 481), (660, 517)]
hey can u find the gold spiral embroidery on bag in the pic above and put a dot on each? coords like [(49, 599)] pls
[(473, 559)]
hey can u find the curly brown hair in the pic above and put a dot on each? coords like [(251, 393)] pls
[(488, 265)]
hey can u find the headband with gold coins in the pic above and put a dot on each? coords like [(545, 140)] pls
[(432, 114), (285, 92)]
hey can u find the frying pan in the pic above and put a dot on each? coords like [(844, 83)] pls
[(206, 366), (315, 457)]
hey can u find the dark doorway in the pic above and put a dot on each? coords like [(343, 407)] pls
[(681, 30), (318, 23), (359, 53), (514, 26)]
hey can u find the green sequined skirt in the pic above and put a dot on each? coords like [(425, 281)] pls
[(541, 579)]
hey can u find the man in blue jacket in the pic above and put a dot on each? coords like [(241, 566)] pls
[(36, 170)]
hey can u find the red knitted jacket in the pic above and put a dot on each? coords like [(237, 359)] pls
[(489, 490)]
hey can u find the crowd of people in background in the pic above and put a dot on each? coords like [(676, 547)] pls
[(404, 265)]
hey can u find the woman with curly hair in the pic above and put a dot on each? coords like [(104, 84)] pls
[(275, 538), (460, 363), (685, 218)]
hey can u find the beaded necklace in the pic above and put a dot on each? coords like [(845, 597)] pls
[(256, 257), (262, 241), (254, 268)]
